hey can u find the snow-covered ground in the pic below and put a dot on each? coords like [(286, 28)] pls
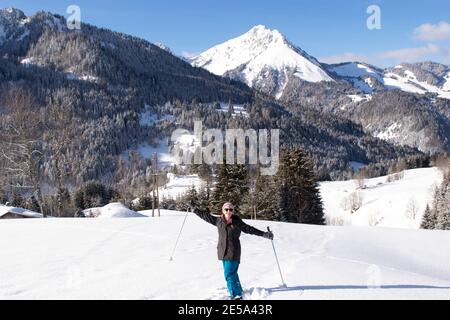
[(178, 185), (384, 204), (359, 98), (84, 77), (129, 259), (146, 151), (184, 143), (150, 118)]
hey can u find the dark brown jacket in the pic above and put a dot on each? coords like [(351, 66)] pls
[(229, 246)]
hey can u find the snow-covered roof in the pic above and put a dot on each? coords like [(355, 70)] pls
[(19, 211)]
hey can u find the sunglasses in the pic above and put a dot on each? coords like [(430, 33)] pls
[(229, 209)]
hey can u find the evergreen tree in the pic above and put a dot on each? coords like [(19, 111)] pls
[(191, 200), (283, 205), (79, 200), (168, 204), (94, 194), (439, 216), (17, 200), (296, 178), (232, 186), (204, 198), (3, 197), (443, 205), (32, 204), (145, 203), (428, 220)]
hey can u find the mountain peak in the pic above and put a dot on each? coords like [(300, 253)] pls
[(259, 27), (263, 59), (262, 29), (264, 34), (12, 11), (10, 14), (11, 23)]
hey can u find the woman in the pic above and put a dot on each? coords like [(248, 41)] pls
[(230, 226)]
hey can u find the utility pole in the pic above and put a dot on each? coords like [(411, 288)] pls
[(153, 187), (156, 179), (155, 192)]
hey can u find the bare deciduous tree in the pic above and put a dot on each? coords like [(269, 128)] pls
[(353, 202), (21, 144), (361, 178), (412, 209)]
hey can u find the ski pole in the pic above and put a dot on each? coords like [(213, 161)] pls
[(278, 263), (179, 235)]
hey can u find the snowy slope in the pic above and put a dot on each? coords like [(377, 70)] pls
[(401, 77), (129, 259), (446, 86), (355, 70), (177, 185), (384, 204), (259, 54)]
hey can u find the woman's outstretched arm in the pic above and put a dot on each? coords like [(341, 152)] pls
[(251, 230), (206, 216)]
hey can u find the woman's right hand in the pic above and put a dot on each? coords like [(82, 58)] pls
[(268, 235)]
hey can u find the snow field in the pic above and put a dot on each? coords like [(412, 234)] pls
[(129, 259)]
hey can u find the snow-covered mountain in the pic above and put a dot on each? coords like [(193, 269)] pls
[(264, 59), (421, 78)]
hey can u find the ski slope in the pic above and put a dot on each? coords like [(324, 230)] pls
[(128, 258)]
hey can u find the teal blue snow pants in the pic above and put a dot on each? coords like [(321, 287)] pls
[(230, 269)]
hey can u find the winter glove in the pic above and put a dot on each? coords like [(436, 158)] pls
[(268, 235)]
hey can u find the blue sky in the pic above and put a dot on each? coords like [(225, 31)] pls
[(327, 29)]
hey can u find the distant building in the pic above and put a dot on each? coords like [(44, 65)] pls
[(17, 213)]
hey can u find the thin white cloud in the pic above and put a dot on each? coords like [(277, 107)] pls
[(345, 57), (427, 32), (433, 32), (431, 52), (412, 54)]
